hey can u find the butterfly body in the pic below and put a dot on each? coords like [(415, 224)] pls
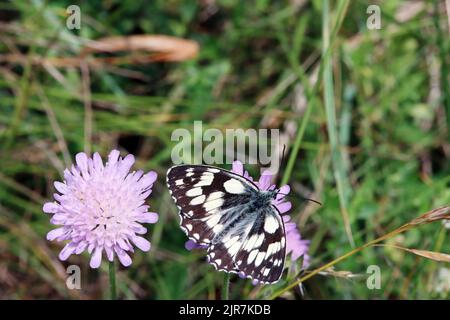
[(233, 218), (262, 199)]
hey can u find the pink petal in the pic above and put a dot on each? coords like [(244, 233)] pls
[(61, 187), (238, 168), (66, 252), (146, 194), (284, 207), (190, 245), (137, 175), (58, 197), (50, 207), (139, 229), (124, 258), (126, 164), (109, 253), (148, 217), (81, 247), (295, 246), (122, 244), (265, 180), (148, 179), (142, 243), (68, 176), (306, 261), (58, 219), (284, 190), (295, 255), (246, 175), (81, 160), (96, 259), (98, 163), (288, 226), (52, 235), (113, 157)]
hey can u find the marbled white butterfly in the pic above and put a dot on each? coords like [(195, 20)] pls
[(243, 232)]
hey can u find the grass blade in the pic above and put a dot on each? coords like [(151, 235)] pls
[(343, 187)]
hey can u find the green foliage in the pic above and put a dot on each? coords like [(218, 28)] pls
[(383, 130)]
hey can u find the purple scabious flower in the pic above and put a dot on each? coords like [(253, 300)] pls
[(100, 208), (295, 246)]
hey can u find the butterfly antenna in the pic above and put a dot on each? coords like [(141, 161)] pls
[(312, 200), (281, 161), (307, 199)]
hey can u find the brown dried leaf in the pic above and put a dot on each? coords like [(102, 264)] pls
[(339, 273), (436, 256), (141, 49), (442, 213), (164, 48), (432, 255)]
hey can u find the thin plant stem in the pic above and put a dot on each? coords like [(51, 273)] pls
[(311, 92), (297, 143), (226, 287), (330, 110), (112, 280), (341, 258), (25, 90), (88, 113), (443, 52)]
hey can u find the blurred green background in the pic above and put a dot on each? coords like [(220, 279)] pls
[(374, 106)]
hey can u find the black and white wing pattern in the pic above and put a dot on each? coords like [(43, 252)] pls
[(243, 232)]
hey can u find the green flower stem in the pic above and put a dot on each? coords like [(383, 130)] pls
[(112, 281), (226, 287)]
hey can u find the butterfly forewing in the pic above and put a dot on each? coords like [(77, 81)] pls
[(216, 211), (202, 196)]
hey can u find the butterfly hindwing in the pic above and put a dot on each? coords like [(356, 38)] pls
[(217, 210), (254, 247), (262, 254), (235, 226)]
